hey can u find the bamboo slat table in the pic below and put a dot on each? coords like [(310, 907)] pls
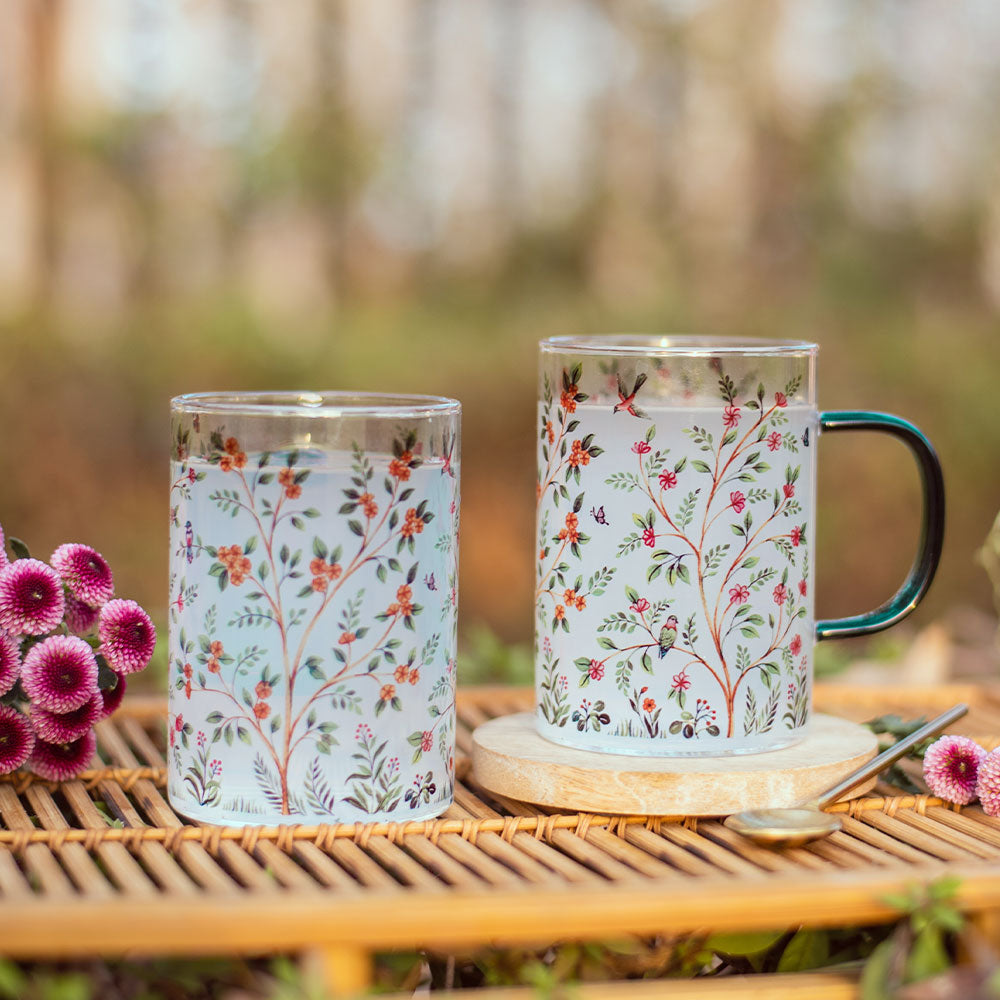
[(103, 866)]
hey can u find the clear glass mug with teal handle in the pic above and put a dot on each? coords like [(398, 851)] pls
[(676, 520)]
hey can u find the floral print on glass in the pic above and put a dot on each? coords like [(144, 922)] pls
[(673, 577), (312, 633)]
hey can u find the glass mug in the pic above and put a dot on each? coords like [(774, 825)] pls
[(313, 589), (676, 518)]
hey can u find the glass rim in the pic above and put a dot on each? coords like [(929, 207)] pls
[(676, 345), (330, 404)]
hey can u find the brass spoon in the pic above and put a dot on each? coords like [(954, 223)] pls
[(797, 825)]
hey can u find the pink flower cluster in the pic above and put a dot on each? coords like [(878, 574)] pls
[(58, 678), (959, 770)]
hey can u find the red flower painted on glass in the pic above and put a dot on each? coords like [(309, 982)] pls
[(640, 607), (642, 448), (796, 535), (803, 587), (426, 741), (795, 646), (263, 690), (780, 399), (774, 440), (399, 468), (731, 415), (578, 455), (737, 501), (595, 670), (649, 537), (668, 480), (413, 525), (780, 594), (789, 490), (739, 594), (681, 682), (648, 704), (570, 532)]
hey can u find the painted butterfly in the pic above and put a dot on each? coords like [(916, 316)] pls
[(429, 580), (598, 515)]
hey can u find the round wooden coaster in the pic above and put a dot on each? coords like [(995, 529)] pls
[(510, 758)]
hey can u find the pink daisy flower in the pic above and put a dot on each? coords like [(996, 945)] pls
[(16, 739), (112, 697), (61, 761), (85, 572), (127, 636), (31, 598), (10, 662), (951, 767), (54, 727), (81, 619), (60, 673), (988, 783)]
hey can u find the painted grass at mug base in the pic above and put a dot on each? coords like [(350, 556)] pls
[(312, 636), (674, 578)]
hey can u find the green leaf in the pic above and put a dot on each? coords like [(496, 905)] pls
[(928, 956), (744, 944), (808, 949), (700, 466), (875, 976), (19, 548), (12, 981)]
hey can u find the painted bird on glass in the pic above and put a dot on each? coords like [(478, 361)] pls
[(626, 400), (668, 635)]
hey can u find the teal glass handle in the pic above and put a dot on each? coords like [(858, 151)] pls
[(932, 531)]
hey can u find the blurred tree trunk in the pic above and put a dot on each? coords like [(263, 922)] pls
[(505, 160), (335, 137), (44, 18)]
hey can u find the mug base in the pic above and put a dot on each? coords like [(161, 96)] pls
[(206, 816), (649, 748)]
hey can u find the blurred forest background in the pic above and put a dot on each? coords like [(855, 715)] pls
[(406, 195)]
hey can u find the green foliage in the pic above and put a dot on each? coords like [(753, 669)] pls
[(919, 947), (486, 659)]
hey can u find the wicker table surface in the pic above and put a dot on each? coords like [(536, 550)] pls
[(102, 865)]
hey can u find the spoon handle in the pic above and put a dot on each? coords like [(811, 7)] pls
[(884, 759)]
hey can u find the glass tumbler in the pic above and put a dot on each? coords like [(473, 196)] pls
[(313, 604), (676, 500)]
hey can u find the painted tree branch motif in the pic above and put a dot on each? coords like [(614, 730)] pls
[(556, 597), (295, 593), (705, 639), (723, 483)]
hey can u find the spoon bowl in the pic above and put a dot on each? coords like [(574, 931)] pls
[(783, 828), (798, 825)]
